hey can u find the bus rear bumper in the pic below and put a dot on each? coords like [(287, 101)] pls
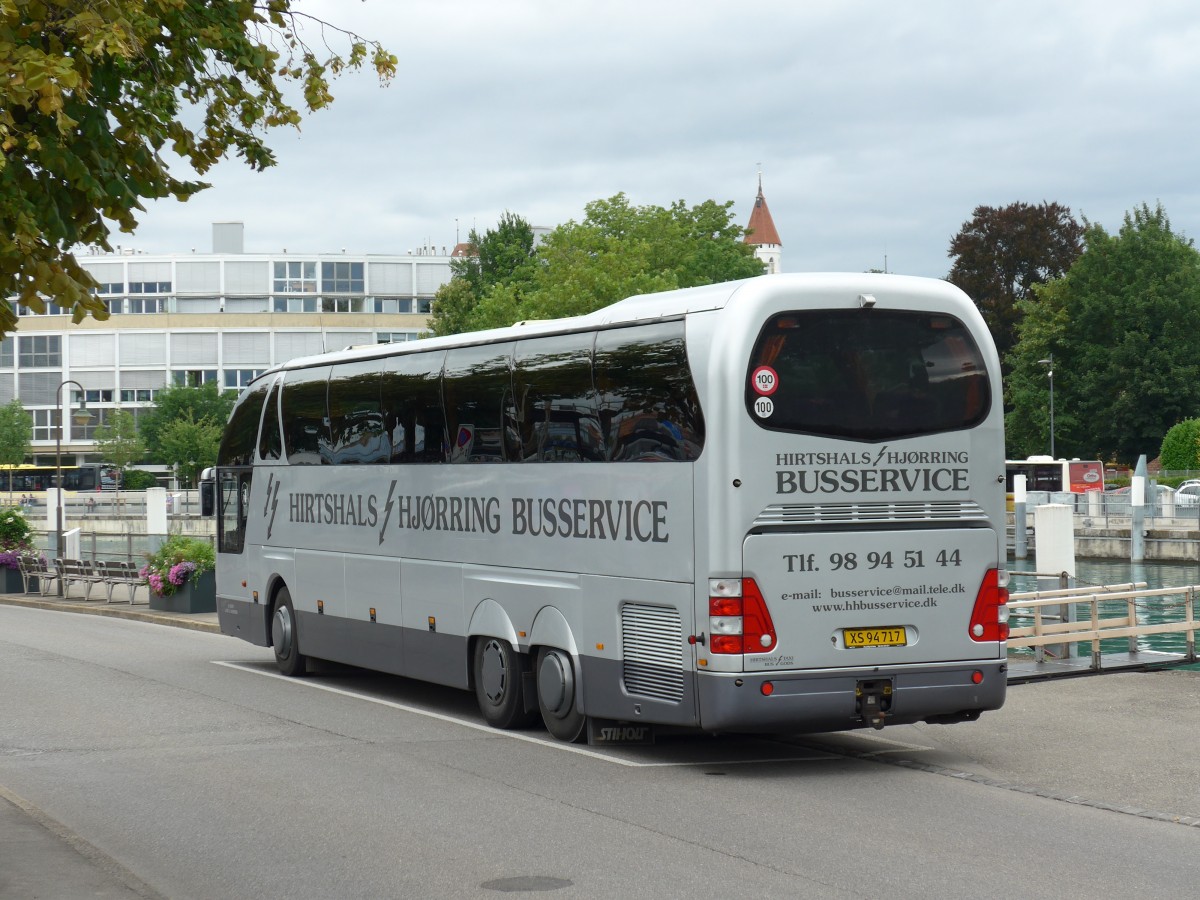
[(828, 700), (245, 619)]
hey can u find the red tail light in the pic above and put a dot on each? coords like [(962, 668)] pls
[(989, 618), (738, 618)]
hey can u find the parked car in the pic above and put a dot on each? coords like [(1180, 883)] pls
[(1188, 494)]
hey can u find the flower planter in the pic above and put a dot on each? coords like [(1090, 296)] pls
[(196, 595), (10, 581)]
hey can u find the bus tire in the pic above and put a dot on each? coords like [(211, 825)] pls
[(284, 637), (556, 695), (498, 671)]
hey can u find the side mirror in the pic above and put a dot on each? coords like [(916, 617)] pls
[(208, 494)]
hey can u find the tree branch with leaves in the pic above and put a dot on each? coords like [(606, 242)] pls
[(93, 91)]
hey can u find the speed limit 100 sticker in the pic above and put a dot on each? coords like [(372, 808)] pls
[(763, 407), (765, 380)]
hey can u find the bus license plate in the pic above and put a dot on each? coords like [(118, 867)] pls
[(874, 637)]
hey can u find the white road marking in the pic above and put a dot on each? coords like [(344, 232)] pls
[(497, 733)]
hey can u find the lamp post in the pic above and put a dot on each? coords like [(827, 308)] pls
[(1049, 364), (80, 417)]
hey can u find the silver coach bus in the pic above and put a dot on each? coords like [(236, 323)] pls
[(767, 505)]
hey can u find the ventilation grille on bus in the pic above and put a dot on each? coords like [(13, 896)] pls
[(652, 650), (856, 513)]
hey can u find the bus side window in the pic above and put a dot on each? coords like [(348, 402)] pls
[(306, 416), (648, 403), (270, 442), (480, 410), (237, 444), (356, 426), (411, 400), (558, 413)]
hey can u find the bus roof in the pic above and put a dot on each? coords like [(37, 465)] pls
[(643, 308)]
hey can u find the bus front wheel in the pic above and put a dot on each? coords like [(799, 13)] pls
[(288, 657), (498, 671), (556, 695)]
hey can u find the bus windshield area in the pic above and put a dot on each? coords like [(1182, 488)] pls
[(869, 374)]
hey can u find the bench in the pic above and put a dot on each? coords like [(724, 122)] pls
[(78, 571), (36, 575), (121, 573)]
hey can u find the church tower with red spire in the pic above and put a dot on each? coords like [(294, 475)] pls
[(761, 233)]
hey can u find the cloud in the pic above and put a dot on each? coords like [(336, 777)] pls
[(879, 127)]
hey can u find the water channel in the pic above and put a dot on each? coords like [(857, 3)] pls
[(1097, 572)]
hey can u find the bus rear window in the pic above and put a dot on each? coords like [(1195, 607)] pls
[(867, 374)]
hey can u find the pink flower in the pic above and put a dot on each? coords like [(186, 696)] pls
[(180, 572)]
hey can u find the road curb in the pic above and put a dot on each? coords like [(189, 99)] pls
[(197, 622)]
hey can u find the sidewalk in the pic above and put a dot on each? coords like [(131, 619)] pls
[(98, 606)]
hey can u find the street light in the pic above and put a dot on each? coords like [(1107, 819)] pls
[(1049, 363), (80, 417)]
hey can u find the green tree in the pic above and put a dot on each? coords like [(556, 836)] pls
[(617, 251), (16, 435), (1181, 446), (190, 445), (1120, 326), (501, 255), (118, 442), (183, 402), (1003, 252), (91, 94)]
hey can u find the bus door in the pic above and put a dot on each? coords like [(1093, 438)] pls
[(234, 481)]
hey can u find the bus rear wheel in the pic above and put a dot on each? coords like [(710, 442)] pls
[(556, 695), (498, 671), (288, 657)]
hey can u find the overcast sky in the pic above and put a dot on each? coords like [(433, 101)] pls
[(878, 126)]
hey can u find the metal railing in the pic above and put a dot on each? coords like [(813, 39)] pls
[(1104, 613)]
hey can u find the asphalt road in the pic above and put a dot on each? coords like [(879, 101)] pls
[(142, 760)]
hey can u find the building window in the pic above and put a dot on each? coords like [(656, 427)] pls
[(389, 304), (88, 432), (115, 306), (139, 395), (295, 277), (193, 377), (110, 287), (45, 424), (239, 378), (342, 304), (102, 396), (395, 337), (149, 287), (145, 304), (40, 351), (341, 277), (50, 308), (424, 307), (6, 353), (294, 304)]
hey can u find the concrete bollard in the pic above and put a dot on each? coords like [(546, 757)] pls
[(1054, 527), (1020, 527)]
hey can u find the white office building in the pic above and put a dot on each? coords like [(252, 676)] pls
[(224, 316), (192, 318)]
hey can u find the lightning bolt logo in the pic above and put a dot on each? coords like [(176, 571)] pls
[(387, 511), (267, 504), (273, 502), (879, 455)]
